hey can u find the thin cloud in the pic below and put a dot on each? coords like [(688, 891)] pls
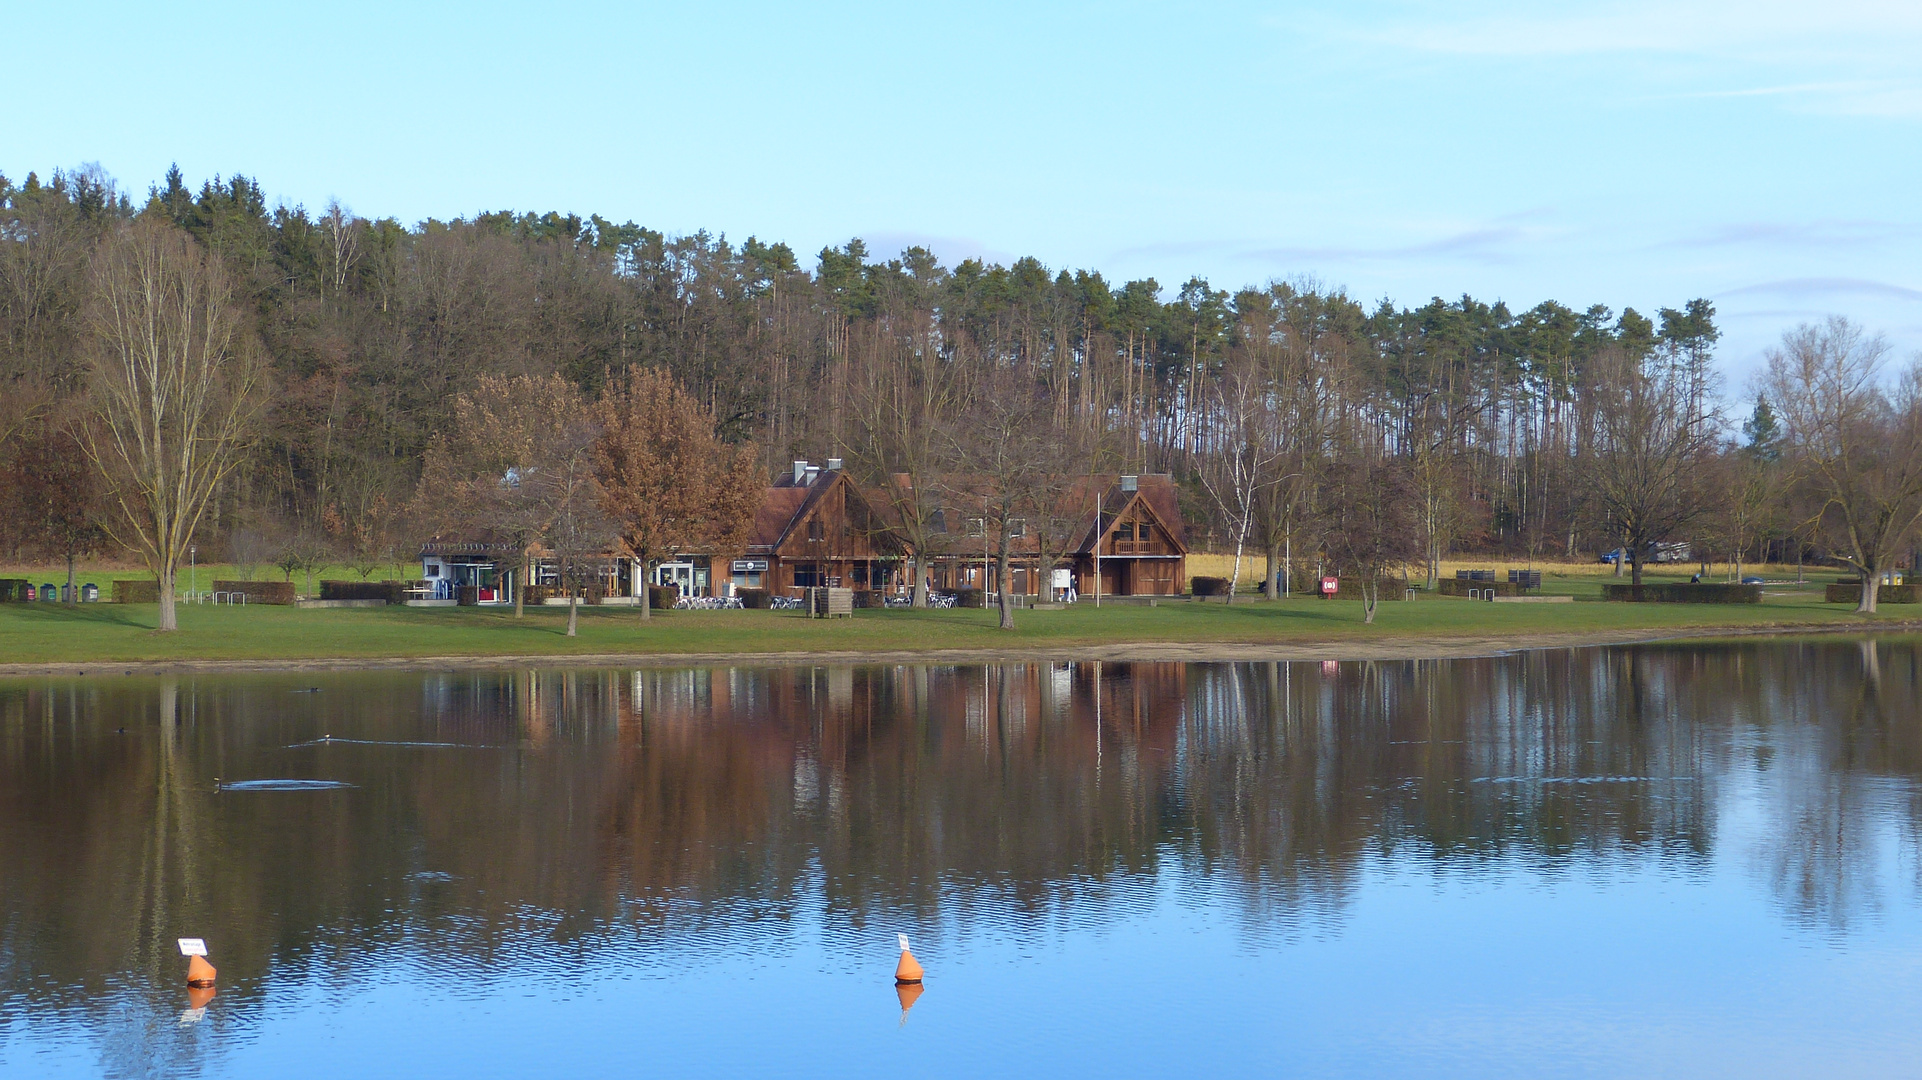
[(1489, 244), (1812, 234), (1748, 29), (1825, 286), (887, 244), (1493, 244)]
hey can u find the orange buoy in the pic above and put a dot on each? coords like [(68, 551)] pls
[(909, 969), (909, 993), (199, 972)]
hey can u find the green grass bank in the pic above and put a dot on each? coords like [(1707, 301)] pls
[(49, 634)]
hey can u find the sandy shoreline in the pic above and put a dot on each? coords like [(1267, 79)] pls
[(1450, 648)]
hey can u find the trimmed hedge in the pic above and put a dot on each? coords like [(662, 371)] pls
[(136, 591), (967, 598), (1202, 585), (10, 589), (870, 598), (662, 597), (1683, 593), (1460, 587), (1850, 592), (259, 592), (1349, 588), (361, 590), (754, 598)]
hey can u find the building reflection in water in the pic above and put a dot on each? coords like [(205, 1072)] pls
[(576, 818)]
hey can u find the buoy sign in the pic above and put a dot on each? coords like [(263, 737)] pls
[(904, 941), (193, 946)]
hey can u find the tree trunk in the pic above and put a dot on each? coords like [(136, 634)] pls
[(1004, 592), (920, 571), (1871, 584), (520, 589), (73, 595), (168, 621), (573, 612), (1635, 561), (646, 593), (1370, 596), (1234, 579)]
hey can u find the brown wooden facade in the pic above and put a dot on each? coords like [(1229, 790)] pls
[(1143, 547), (815, 527)]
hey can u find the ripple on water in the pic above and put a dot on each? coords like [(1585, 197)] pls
[(331, 741), (283, 785)]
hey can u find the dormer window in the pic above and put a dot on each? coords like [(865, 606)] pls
[(815, 532)]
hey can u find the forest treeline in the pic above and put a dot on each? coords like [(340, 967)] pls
[(1494, 430)]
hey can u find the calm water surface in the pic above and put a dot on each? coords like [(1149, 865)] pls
[(1652, 861)]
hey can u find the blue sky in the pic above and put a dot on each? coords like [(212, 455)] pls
[(1761, 153)]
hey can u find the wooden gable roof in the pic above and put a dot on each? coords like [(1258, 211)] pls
[(1117, 504), (787, 506)]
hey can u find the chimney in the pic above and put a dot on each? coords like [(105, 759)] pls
[(1130, 483), (834, 464), (813, 472), (800, 471)]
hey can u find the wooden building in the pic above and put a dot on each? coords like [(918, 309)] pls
[(1129, 531), (816, 527), (1138, 543)]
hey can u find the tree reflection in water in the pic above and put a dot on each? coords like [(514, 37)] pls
[(560, 821)]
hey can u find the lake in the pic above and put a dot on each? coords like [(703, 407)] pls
[(1687, 860)]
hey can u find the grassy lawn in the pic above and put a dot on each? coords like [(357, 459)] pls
[(42, 633)]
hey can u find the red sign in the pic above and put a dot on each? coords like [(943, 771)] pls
[(1329, 586)]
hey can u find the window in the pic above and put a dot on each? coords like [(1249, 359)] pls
[(1142, 534), (1017, 527), (939, 522), (815, 532), (806, 575), (1126, 531)]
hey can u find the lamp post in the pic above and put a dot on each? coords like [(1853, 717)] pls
[(193, 572)]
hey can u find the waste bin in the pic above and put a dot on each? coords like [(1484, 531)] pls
[(66, 594), (90, 593), (49, 593)]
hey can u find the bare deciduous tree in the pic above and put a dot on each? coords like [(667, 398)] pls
[(176, 384), (900, 399), (1005, 464), (485, 474), (1654, 431), (1854, 441), (577, 527), (1241, 444), (55, 499), (1371, 523)]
